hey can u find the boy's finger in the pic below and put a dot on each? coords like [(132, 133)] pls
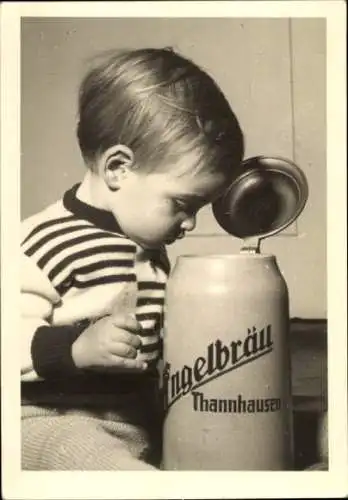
[(133, 340), (120, 363), (125, 337), (124, 350), (129, 322)]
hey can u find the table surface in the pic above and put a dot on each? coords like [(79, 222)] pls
[(308, 339)]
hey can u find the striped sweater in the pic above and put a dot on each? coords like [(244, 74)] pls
[(78, 266)]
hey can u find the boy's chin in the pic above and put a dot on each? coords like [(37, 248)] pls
[(152, 245), (173, 239), (157, 244)]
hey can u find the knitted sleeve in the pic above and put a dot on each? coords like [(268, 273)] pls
[(45, 349), (45, 344)]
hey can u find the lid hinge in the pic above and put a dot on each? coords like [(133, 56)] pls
[(251, 245)]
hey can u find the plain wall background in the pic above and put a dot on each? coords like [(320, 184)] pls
[(273, 71)]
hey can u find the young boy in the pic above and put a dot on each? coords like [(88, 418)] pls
[(160, 141)]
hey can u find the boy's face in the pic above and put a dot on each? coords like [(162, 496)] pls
[(159, 208)]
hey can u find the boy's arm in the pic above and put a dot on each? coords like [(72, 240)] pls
[(45, 349)]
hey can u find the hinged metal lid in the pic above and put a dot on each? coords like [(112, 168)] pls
[(266, 195)]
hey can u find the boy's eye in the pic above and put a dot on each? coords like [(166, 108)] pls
[(190, 207), (180, 205), (184, 206)]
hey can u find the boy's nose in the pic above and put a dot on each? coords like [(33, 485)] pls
[(189, 224)]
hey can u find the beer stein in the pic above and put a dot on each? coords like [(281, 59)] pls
[(227, 374)]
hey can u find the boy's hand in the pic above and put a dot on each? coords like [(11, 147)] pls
[(109, 343)]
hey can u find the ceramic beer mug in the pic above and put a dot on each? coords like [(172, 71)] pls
[(227, 376)]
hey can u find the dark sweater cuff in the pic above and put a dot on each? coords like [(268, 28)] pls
[(51, 351)]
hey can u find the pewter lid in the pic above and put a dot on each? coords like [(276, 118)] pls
[(266, 195)]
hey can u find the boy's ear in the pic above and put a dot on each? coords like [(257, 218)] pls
[(116, 163)]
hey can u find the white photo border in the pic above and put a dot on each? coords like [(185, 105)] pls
[(19, 484)]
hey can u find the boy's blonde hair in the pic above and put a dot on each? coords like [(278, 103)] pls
[(163, 107)]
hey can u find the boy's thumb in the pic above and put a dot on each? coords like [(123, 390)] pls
[(127, 321)]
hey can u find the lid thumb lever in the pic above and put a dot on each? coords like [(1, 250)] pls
[(251, 245)]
